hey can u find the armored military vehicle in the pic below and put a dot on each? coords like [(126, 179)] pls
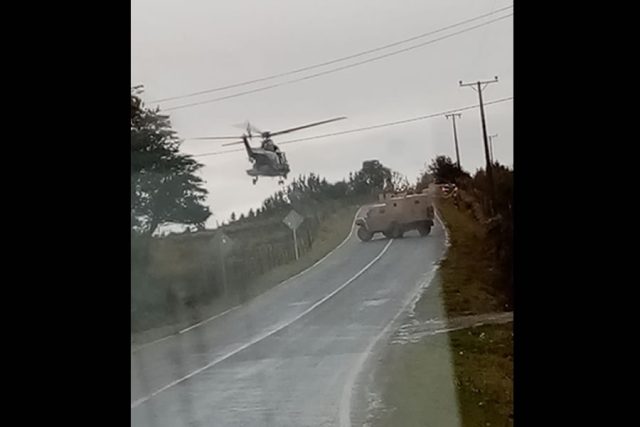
[(396, 214)]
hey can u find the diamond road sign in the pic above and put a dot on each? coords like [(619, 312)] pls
[(293, 220)]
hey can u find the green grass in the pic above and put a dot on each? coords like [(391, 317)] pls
[(469, 275), (333, 230), (463, 377), (483, 362)]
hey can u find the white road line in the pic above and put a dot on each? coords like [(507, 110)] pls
[(140, 347), (208, 320), (353, 225), (215, 316), (265, 335), (346, 239)]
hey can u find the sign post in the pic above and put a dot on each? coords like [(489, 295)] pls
[(223, 243), (293, 221)]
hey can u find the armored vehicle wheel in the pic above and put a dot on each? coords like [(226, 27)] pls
[(395, 231), (424, 229), (364, 234)]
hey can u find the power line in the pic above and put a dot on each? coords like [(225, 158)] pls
[(333, 70), (333, 61), (362, 129)]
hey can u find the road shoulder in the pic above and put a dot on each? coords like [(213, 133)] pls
[(448, 366)]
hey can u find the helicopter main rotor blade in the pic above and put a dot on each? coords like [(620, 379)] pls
[(305, 126), (215, 137), (232, 143)]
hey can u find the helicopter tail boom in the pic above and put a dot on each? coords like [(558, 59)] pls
[(250, 153)]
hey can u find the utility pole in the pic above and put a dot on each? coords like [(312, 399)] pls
[(491, 137), (478, 87), (455, 134)]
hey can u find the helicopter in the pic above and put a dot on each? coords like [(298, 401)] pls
[(267, 159)]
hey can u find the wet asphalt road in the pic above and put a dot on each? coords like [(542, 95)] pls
[(290, 356)]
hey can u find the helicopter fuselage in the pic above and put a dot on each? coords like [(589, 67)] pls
[(266, 162)]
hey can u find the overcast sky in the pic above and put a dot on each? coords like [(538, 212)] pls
[(184, 46)]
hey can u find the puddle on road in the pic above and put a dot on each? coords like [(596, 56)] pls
[(298, 303), (375, 302)]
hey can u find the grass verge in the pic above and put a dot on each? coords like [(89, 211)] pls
[(470, 278)]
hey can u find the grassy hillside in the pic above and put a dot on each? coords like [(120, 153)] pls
[(183, 281)]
